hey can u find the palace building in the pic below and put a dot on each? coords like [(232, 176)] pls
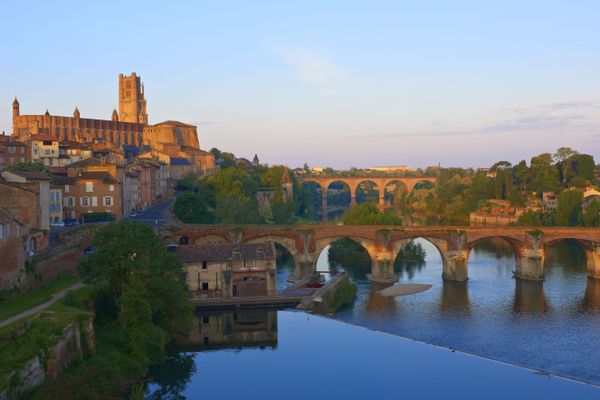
[(128, 126)]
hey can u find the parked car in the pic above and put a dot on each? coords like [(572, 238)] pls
[(57, 224), (142, 210), (71, 222), (172, 247), (133, 214), (90, 250)]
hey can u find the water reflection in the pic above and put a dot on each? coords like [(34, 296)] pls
[(455, 298), (591, 300), (243, 328), (408, 269), (379, 305), (169, 379), (529, 297)]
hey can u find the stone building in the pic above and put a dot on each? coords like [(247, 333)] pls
[(225, 271), (44, 149), (240, 329)]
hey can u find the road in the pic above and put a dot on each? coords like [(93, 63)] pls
[(155, 216)]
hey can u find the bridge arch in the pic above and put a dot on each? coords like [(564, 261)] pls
[(399, 187), (591, 251), (339, 194), (362, 194), (410, 266), (364, 246), (428, 183)]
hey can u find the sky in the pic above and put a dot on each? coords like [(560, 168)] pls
[(330, 83)]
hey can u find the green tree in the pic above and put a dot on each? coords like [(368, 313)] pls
[(591, 215), (132, 269), (369, 214), (568, 212), (544, 174), (28, 166), (193, 208), (561, 156), (522, 175), (581, 166)]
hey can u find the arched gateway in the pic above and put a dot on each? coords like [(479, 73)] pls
[(305, 242)]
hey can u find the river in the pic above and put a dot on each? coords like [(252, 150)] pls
[(551, 326)]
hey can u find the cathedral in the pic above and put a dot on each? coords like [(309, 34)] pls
[(128, 126)]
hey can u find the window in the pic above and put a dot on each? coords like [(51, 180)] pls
[(69, 201), (22, 150), (66, 188), (12, 149), (18, 231), (108, 201), (205, 319), (47, 152), (111, 188), (84, 201), (94, 201), (1, 232), (204, 265), (204, 285), (7, 231), (89, 186)]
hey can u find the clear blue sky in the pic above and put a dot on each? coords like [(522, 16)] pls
[(339, 83)]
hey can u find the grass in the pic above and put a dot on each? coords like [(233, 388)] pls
[(13, 305), (25, 339), (344, 295)]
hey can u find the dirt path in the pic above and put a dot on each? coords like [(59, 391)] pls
[(38, 309)]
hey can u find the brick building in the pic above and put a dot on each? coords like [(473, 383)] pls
[(12, 151), (13, 247), (91, 191)]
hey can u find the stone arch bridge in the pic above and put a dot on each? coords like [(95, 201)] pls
[(306, 242), (354, 182)]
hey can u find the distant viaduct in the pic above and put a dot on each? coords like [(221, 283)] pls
[(353, 183)]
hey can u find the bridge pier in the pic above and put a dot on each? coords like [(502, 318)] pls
[(382, 269), (381, 199), (530, 264), (455, 266), (592, 260), (302, 269), (324, 204)]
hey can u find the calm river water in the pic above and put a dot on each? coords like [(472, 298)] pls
[(553, 326)]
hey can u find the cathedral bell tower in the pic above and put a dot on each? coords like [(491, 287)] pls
[(132, 103)]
